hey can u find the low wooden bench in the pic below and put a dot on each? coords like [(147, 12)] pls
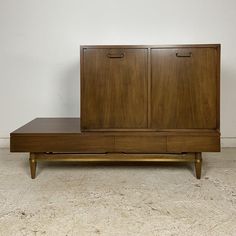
[(61, 139)]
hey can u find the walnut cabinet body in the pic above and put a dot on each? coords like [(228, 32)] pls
[(150, 88)]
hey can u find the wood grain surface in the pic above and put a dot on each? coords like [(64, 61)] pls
[(114, 88), (184, 88)]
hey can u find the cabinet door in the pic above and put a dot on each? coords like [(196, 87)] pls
[(184, 88), (114, 89)]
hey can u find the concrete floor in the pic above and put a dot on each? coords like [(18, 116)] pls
[(118, 200)]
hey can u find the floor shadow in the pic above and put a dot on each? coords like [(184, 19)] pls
[(113, 165)]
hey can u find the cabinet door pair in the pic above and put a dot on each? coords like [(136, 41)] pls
[(156, 88)]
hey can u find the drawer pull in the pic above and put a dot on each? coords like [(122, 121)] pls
[(184, 54), (121, 55)]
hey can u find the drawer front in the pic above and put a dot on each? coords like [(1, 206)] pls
[(193, 144), (140, 144), (62, 143)]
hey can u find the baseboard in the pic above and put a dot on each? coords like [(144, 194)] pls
[(225, 142), (228, 142), (4, 142)]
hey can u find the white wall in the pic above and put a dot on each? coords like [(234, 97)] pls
[(40, 39)]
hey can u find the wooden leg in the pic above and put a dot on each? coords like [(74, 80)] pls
[(33, 164), (198, 164)]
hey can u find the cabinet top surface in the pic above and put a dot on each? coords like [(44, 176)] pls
[(151, 46)]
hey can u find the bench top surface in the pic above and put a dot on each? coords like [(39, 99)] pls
[(64, 126), (50, 125)]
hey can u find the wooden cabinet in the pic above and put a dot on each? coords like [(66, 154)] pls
[(153, 99), (138, 103), (152, 88)]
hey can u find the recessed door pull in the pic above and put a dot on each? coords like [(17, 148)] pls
[(184, 54), (121, 55)]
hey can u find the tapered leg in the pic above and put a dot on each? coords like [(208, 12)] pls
[(198, 164), (33, 164)]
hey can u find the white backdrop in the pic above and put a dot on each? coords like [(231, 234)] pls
[(40, 39)]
